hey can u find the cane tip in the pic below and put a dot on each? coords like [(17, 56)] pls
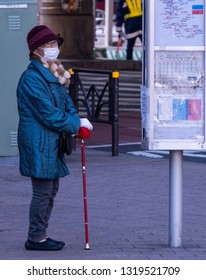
[(87, 246)]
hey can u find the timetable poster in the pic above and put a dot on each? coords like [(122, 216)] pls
[(179, 70), (179, 94), (179, 23)]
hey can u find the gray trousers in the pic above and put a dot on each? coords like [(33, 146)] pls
[(44, 192)]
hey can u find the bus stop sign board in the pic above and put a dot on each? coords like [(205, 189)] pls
[(173, 89)]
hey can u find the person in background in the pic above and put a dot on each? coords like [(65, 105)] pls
[(129, 14), (45, 111)]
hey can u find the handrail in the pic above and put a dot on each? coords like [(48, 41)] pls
[(93, 100)]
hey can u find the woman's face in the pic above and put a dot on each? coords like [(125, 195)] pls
[(50, 44)]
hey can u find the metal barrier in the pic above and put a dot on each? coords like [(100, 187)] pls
[(95, 101)]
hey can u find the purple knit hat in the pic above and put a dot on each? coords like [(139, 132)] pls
[(40, 35)]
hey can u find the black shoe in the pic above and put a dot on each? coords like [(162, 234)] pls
[(43, 246), (55, 241)]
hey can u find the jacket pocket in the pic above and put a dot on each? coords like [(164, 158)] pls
[(41, 141)]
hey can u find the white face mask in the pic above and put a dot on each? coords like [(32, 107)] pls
[(50, 53)]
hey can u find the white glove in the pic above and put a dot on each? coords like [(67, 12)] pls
[(84, 122)]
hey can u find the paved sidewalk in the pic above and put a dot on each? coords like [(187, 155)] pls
[(128, 200)]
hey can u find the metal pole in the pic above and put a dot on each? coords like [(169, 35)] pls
[(175, 198), (108, 22), (115, 113)]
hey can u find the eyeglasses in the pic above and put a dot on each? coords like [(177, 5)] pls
[(51, 44)]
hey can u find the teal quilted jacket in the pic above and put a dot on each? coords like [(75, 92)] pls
[(45, 110)]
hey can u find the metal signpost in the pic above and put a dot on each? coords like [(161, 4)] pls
[(173, 90)]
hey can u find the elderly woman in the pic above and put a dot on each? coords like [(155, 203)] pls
[(45, 112)]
